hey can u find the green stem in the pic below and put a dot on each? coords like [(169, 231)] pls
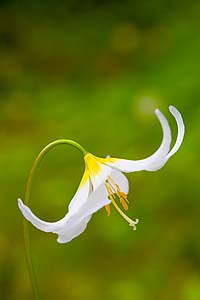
[(43, 152)]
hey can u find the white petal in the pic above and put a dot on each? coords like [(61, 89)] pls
[(65, 228), (96, 200), (121, 180), (38, 223), (153, 162), (67, 235), (75, 221), (80, 197), (181, 130)]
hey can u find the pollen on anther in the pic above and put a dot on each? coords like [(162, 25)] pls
[(124, 204), (107, 207)]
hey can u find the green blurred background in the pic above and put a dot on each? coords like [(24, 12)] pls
[(94, 71)]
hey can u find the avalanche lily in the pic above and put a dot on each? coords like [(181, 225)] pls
[(103, 183)]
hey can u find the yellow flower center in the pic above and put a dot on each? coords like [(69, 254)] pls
[(92, 167), (92, 164)]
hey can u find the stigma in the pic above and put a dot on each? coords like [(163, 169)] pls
[(114, 192)]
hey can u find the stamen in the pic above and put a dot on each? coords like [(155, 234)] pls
[(124, 204), (131, 222), (107, 207), (122, 196), (112, 185)]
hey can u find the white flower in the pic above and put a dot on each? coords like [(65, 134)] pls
[(103, 183)]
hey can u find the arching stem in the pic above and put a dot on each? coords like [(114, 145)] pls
[(43, 152)]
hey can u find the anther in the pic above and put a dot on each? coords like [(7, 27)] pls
[(107, 207), (124, 204)]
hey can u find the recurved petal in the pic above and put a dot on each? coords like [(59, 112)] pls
[(151, 163), (78, 200), (38, 223), (181, 130), (74, 222), (67, 228)]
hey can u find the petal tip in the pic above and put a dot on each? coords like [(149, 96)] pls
[(173, 109), (19, 201), (176, 113), (181, 130), (21, 205)]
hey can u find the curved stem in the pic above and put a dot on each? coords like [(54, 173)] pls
[(26, 201)]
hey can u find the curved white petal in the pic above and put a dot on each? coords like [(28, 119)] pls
[(181, 130), (78, 200), (38, 223), (153, 162), (74, 222), (120, 179)]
